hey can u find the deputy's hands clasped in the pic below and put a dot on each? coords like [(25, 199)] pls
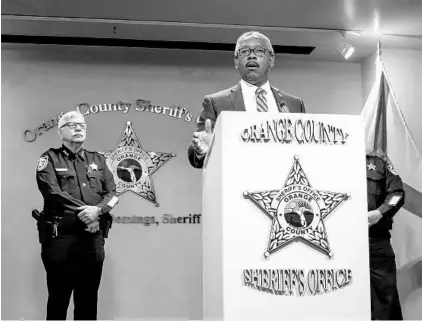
[(93, 227), (88, 214), (201, 140)]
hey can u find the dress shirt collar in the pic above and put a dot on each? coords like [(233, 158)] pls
[(252, 88)]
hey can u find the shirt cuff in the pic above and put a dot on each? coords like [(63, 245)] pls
[(107, 207), (384, 208), (102, 208)]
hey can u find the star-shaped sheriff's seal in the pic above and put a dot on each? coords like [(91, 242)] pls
[(297, 211), (133, 167)]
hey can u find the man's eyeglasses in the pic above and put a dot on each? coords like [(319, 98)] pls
[(258, 51), (74, 125)]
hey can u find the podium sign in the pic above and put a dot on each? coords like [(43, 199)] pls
[(285, 228)]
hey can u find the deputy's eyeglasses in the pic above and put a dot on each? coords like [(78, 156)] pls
[(74, 125), (258, 51)]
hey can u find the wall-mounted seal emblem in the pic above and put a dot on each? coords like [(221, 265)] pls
[(133, 167), (297, 211)]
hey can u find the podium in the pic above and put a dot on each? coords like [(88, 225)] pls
[(285, 229)]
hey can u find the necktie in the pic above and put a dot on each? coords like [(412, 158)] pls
[(261, 101)]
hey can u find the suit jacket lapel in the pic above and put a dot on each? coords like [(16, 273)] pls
[(281, 103), (236, 98)]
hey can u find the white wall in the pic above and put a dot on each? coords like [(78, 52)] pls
[(149, 272)]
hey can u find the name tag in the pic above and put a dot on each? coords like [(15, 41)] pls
[(61, 169)]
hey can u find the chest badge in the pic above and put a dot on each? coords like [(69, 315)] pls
[(92, 167), (371, 167)]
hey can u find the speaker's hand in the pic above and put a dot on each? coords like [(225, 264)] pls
[(201, 140)]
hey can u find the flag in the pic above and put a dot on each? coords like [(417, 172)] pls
[(388, 136)]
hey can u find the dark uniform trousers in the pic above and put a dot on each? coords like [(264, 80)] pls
[(73, 263), (73, 260), (385, 303), (385, 193)]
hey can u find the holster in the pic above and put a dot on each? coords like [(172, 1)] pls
[(47, 229), (48, 226), (106, 222), (390, 222)]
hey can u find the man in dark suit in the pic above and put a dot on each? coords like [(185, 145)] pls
[(253, 58)]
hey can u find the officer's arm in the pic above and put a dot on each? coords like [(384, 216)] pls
[(109, 187), (50, 188), (395, 195)]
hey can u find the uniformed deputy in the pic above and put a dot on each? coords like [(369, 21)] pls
[(385, 198), (79, 191)]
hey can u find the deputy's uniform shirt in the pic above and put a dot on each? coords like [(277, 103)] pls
[(68, 181), (385, 193)]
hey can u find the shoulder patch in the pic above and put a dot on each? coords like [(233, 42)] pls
[(391, 168), (42, 163)]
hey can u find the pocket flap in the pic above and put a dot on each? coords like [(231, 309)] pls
[(374, 175), (67, 174), (95, 174)]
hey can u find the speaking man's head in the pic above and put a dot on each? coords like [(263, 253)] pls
[(254, 57)]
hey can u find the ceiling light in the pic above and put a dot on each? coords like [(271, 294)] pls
[(354, 33)]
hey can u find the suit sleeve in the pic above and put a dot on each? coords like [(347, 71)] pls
[(395, 194), (50, 188), (207, 112), (109, 187)]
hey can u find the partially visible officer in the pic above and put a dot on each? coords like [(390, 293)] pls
[(385, 198), (79, 191)]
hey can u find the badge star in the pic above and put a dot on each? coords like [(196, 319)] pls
[(93, 167), (133, 167), (371, 167), (297, 211)]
